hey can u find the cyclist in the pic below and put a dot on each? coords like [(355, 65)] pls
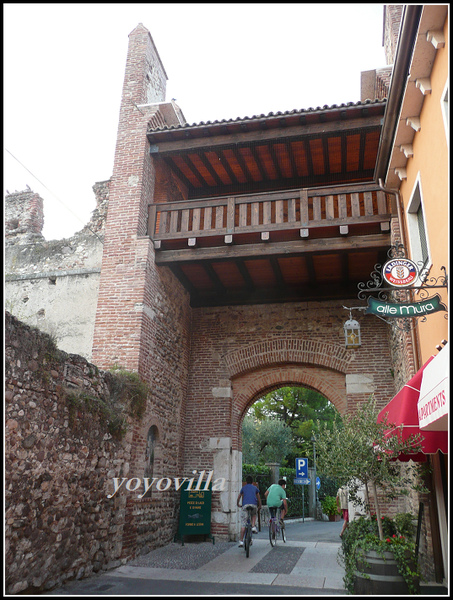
[(250, 495), (276, 498)]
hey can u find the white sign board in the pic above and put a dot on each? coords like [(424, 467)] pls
[(434, 400)]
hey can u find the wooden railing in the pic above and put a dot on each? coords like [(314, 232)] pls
[(264, 213)]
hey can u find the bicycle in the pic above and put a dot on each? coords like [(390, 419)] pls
[(275, 528), (248, 532)]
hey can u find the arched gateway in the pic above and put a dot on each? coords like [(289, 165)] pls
[(231, 249)]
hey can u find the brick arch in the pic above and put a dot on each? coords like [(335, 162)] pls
[(248, 387), (284, 351)]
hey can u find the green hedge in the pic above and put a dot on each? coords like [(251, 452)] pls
[(262, 476), (297, 494)]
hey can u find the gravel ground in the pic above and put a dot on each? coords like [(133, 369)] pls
[(192, 555)]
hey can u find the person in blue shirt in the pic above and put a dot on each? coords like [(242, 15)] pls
[(250, 495)]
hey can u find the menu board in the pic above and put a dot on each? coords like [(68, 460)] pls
[(195, 513)]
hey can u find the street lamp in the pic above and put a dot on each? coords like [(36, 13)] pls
[(352, 333)]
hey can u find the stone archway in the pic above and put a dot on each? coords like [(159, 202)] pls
[(282, 361), (249, 386), (263, 366)]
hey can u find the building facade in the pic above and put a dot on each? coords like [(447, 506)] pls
[(230, 252), (413, 160)]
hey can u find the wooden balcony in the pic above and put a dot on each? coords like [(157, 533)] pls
[(273, 216), (275, 246)]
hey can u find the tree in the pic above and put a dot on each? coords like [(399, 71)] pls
[(359, 452), (265, 440), (300, 409)]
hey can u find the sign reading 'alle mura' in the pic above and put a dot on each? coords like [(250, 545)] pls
[(402, 273)]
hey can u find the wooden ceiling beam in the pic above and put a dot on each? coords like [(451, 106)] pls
[(309, 181), (226, 165), (174, 167), (357, 243), (242, 163), (277, 272), (305, 293), (209, 168), (263, 135), (250, 286), (218, 285)]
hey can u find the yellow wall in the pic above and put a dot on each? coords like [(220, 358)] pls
[(430, 163)]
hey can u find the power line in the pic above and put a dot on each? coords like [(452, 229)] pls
[(54, 195)]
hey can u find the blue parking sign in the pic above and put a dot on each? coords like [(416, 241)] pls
[(301, 467)]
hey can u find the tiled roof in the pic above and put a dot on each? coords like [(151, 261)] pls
[(289, 113)]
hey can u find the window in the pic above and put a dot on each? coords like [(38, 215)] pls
[(150, 454), (418, 237)]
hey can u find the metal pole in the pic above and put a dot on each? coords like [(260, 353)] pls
[(314, 475)]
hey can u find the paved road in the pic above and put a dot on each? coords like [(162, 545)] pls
[(307, 564)]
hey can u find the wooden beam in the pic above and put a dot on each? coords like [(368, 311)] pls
[(358, 243), (174, 167), (218, 285), (305, 293), (277, 272), (245, 170), (245, 275), (209, 168), (264, 135)]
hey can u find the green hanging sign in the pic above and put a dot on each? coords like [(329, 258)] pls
[(405, 310)]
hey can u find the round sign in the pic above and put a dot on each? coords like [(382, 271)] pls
[(400, 272), (318, 483)]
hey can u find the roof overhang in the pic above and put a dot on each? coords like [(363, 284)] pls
[(414, 60), (302, 148)]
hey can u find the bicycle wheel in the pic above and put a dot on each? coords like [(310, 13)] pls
[(283, 530), (248, 540), (272, 533)]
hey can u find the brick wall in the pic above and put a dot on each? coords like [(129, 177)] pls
[(143, 314), (240, 353), (392, 21), (24, 215)]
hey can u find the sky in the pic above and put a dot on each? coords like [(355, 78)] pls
[(64, 69)]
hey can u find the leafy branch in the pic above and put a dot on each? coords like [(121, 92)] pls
[(361, 452)]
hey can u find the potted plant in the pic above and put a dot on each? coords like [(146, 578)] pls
[(361, 454), (379, 567), (329, 508)]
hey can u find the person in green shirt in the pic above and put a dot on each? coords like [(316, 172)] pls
[(276, 498)]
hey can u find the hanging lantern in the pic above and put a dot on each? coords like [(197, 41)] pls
[(352, 333)]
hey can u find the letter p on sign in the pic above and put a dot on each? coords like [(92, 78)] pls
[(301, 467)]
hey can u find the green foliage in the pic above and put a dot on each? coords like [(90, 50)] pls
[(359, 453), (128, 394), (404, 523), (82, 405), (297, 494), (297, 506), (363, 535), (266, 440), (261, 475), (300, 409), (329, 506), (329, 486), (127, 388)]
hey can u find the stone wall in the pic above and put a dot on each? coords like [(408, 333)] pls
[(53, 285), (60, 461)]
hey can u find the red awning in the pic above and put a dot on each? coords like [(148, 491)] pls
[(402, 411)]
